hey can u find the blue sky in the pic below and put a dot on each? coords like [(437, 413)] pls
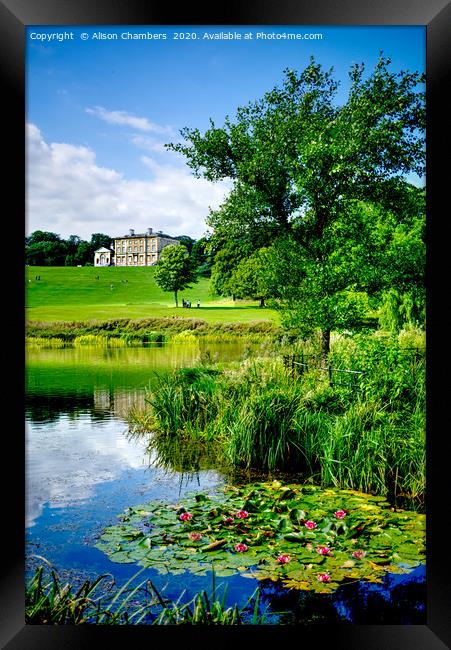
[(99, 111)]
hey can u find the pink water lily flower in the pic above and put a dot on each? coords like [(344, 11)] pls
[(240, 548), (186, 516), (195, 537), (323, 550), (242, 514), (284, 559), (310, 524), (340, 514), (323, 577), (359, 554)]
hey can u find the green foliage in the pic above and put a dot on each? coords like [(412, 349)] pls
[(201, 256), (272, 531), (226, 259), (48, 249), (210, 610), (366, 431), (302, 167), (146, 330), (187, 242), (55, 604), (174, 270), (52, 603), (264, 430), (400, 310), (248, 279), (184, 400)]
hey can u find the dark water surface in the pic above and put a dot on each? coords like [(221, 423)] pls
[(83, 469)]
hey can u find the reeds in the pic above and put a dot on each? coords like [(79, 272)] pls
[(52, 603), (41, 342), (183, 402), (369, 437), (49, 602)]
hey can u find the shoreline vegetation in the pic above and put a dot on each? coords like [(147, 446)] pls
[(100, 602), (362, 428), (123, 332)]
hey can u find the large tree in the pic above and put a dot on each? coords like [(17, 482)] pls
[(174, 270), (299, 162)]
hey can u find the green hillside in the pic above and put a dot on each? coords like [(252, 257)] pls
[(75, 293)]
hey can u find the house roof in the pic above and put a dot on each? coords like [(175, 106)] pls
[(146, 234), (103, 250)]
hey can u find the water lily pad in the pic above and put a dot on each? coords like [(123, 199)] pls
[(259, 531)]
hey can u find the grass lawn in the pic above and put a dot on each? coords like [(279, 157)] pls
[(68, 293)]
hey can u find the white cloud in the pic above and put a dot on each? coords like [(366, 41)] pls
[(69, 193), (149, 144), (123, 118)]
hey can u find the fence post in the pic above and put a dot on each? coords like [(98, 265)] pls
[(330, 375)]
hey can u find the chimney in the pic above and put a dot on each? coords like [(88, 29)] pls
[(132, 232), (149, 231)]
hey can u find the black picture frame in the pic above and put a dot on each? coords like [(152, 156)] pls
[(15, 15)]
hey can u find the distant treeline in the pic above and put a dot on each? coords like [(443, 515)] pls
[(49, 249)]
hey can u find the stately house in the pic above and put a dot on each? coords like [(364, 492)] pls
[(134, 249)]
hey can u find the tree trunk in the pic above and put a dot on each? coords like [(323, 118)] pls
[(176, 299), (262, 302), (325, 346)]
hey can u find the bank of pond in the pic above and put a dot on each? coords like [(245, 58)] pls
[(123, 332)]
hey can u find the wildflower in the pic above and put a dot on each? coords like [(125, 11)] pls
[(309, 547), (310, 524), (284, 559), (323, 577), (340, 514), (323, 550), (240, 548), (242, 514), (186, 516), (195, 537), (228, 520), (359, 554)]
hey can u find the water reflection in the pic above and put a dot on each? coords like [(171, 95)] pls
[(76, 436), (68, 456), (397, 600)]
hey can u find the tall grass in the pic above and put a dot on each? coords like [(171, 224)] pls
[(184, 401), (369, 436), (49, 602), (210, 610), (52, 603)]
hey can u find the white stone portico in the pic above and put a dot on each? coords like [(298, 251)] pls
[(103, 257)]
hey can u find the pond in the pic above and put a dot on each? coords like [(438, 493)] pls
[(83, 469)]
